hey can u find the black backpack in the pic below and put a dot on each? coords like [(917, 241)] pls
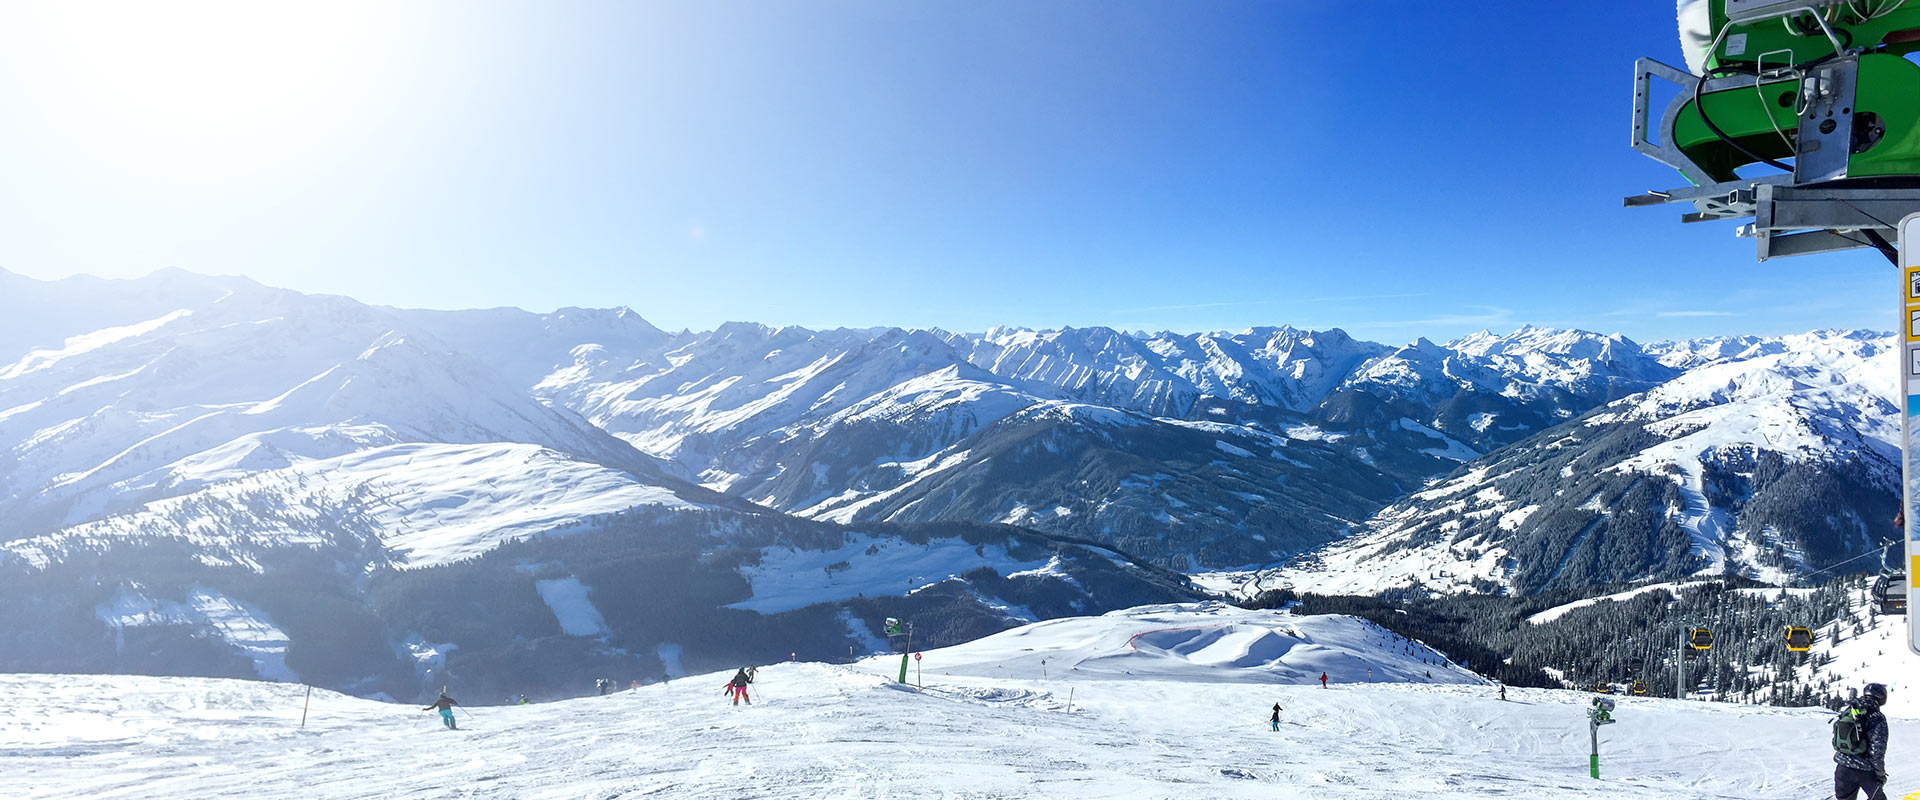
[(1850, 732)]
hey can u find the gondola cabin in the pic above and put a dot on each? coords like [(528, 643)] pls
[(1700, 639), (1889, 593), (1799, 639)]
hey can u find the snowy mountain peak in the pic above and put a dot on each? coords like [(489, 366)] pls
[(1565, 343)]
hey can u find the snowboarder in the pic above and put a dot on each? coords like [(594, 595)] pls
[(445, 704), (1860, 746), (1323, 680), (1276, 716), (738, 686), (1503, 691)]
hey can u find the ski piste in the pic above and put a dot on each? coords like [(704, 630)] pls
[(1158, 698)]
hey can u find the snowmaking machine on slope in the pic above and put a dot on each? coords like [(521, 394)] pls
[(1815, 96)]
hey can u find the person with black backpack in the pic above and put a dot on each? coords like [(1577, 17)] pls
[(1860, 746), (737, 687)]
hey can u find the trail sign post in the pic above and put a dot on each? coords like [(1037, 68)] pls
[(1909, 231)]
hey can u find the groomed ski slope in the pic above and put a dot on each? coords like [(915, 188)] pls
[(1165, 725)]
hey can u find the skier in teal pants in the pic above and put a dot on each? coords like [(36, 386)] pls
[(445, 704)]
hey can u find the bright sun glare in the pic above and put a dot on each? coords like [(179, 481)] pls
[(203, 70)]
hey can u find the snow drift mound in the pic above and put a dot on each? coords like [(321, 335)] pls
[(1204, 642)]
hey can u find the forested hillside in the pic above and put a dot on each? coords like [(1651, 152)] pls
[(1619, 635)]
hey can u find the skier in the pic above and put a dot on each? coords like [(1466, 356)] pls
[(602, 684), (738, 686), (445, 704), (1860, 746), (1503, 691), (1276, 716), (1323, 680)]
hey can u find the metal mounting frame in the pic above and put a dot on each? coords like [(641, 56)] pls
[(1665, 152), (1791, 220), (1813, 210)]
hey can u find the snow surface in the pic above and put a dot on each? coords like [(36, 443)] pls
[(1205, 642), (430, 504), (1879, 655), (787, 578), (248, 629), (1557, 612), (252, 381), (1183, 724), (571, 607)]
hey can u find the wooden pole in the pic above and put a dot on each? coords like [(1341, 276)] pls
[(304, 707)]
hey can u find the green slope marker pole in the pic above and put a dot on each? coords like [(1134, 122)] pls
[(304, 707), (903, 667)]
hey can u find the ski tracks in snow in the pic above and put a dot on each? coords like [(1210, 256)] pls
[(848, 732)]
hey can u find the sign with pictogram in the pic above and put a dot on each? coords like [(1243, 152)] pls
[(1909, 234)]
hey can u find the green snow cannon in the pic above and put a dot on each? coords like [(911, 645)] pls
[(1822, 84), (1802, 116)]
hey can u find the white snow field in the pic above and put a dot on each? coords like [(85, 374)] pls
[(1190, 720)]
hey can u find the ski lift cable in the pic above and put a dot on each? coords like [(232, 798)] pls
[(1881, 552)]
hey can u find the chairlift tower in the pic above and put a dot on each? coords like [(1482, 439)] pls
[(1820, 94)]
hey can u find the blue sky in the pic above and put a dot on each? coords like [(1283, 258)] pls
[(1394, 168)]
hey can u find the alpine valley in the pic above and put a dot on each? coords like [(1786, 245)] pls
[(206, 476)]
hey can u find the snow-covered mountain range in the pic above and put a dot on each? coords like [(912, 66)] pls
[(1197, 450), (190, 442), (1765, 457)]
